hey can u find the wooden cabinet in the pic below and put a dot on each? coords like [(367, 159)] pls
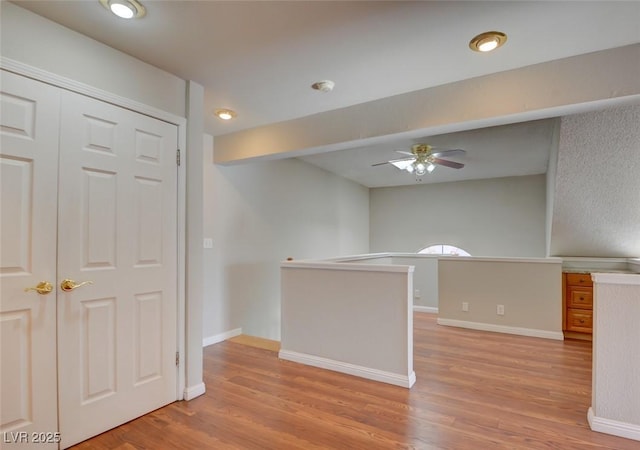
[(578, 305)]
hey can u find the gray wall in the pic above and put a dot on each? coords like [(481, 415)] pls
[(259, 214), (532, 308), (596, 208), (495, 217), (41, 43)]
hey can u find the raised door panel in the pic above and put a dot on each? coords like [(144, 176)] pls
[(28, 209), (118, 230), (16, 175), (98, 349)]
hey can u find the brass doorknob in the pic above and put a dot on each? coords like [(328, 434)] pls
[(68, 285), (42, 288)]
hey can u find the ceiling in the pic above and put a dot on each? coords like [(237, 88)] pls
[(503, 151), (259, 58)]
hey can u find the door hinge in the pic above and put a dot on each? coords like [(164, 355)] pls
[(178, 157), (177, 358)]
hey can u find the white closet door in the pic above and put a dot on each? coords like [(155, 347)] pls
[(118, 230), (28, 202)]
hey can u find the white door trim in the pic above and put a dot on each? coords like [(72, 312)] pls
[(20, 68), (53, 79)]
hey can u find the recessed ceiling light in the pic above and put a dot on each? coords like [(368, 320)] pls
[(485, 42), (125, 9), (323, 86), (225, 114)]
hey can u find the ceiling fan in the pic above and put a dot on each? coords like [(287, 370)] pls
[(424, 158)]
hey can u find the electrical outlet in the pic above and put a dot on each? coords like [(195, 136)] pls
[(465, 306), (416, 293), (500, 310), (208, 243)]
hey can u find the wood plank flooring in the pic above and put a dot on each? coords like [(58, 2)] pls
[(474, 390), (258, 342)]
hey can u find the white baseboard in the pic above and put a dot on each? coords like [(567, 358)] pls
[(426, 309), (221, 337), (557, 335), (194, 391), (350, 369), (608, 426)]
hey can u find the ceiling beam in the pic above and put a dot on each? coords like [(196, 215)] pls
[(566, 86)]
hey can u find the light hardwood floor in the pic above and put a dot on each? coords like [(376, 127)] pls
[(474, 390)]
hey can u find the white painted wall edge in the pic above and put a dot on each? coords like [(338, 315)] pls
[(192, 392), (350, 369), (425, 309), (546, 260), (382, 255), (360, 257), (608, 426), (616, 278), (570, 261), (210, 340), (584, 259), (345, 266), (335, 264), (546, 334), (549, 260)]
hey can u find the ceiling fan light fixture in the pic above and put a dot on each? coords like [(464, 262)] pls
[(424, 158), (125, 9), (486, 42)]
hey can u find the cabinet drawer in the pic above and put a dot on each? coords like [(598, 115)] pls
[(580, 320), (579, 279), (580, 298)]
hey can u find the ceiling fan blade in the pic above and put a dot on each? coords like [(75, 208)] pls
[(405, 153), (444, 162), (452, 152), (392, 161)]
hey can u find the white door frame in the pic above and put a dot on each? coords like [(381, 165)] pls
[(44, 76)]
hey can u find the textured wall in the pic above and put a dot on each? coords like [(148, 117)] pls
[(596, 209)]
